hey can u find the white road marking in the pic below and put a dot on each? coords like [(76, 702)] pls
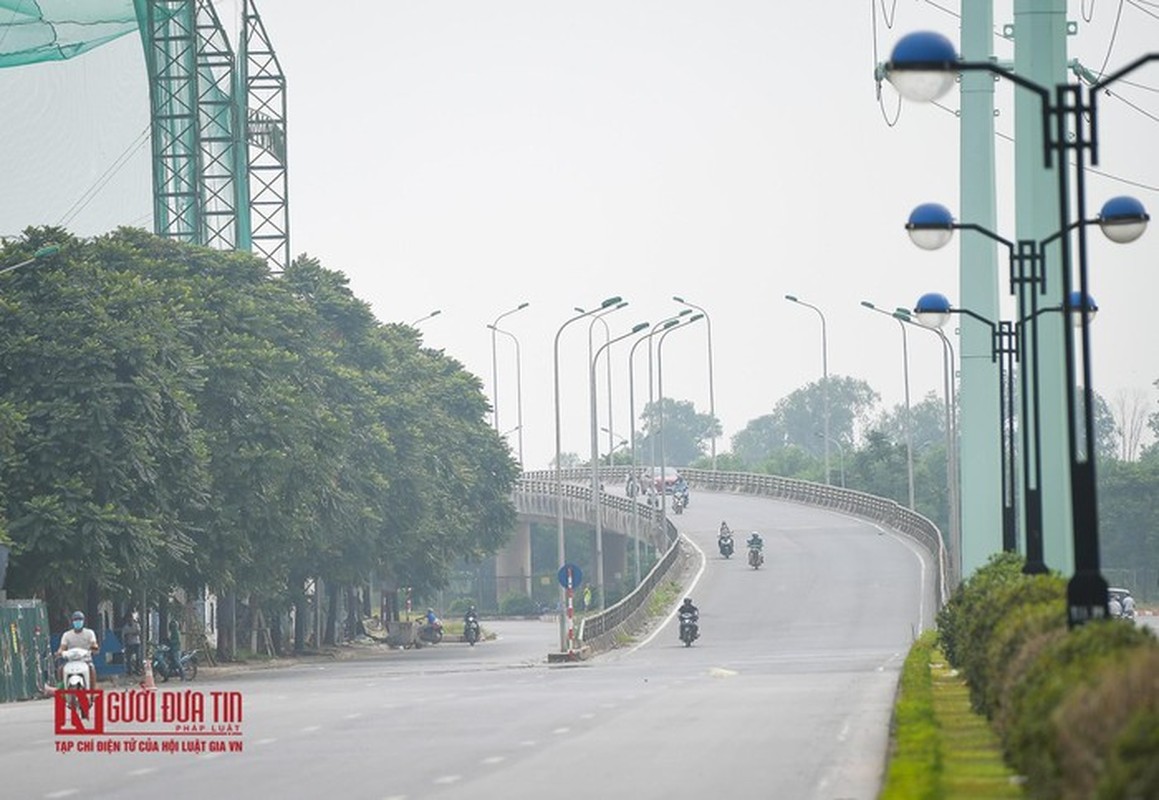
[(311, 728), (265, 741), (561, 731), (355, 715), (142, 771), (63, 793), (588, 715), (448, 779), (687, 592), (721, 672), (527, 743), (493, 760)]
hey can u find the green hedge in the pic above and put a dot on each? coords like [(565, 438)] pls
[(1077, 710)]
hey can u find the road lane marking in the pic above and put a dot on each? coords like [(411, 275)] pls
[(448, 779), (687, 593), (63, 793), (721, 672), (493, 760), (142, 771), (311, 728), (355, 715), (588, 715), (265, 741), (561, 731)]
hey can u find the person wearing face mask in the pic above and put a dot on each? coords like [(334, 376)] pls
[(84, 638)]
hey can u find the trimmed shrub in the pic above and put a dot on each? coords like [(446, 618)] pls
[(1067, 662), (1035, 607), (1133, 771), (972, 612), (1103, 731)]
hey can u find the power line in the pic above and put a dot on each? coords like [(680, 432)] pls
[(90, 194)]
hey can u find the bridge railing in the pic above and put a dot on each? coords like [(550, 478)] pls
[(884, 511)]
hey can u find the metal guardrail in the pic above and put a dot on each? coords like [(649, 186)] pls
[(889, 513)]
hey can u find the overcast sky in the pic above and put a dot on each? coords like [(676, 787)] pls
[(469, 156)]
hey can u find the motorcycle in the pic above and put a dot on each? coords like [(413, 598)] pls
[(429, 633), (75, 676), (725, 543), (756, 557), (471, 630), (163, 668), (689, 630), (680, 502)]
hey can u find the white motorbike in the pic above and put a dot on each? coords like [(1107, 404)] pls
[(75, 674)]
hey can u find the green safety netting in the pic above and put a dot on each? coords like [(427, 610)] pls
[(32, 31)]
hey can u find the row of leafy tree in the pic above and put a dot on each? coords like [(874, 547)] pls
[(173, 416)]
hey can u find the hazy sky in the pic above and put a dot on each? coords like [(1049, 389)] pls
[(468, 156)]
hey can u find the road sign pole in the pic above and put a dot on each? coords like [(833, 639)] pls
[(570, 614)]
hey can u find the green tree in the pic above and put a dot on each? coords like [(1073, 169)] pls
[(686, 432)]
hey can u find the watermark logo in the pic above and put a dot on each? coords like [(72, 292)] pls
[(79, 712), (189, 721)]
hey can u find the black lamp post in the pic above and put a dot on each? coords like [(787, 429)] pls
[(930, 226), (922, 67), (934, 309)]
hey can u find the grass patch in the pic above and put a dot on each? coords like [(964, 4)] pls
[(941, 749), (663, 597)]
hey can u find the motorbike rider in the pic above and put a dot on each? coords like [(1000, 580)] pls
[(755, 542), (84, 638), (724, 530), (689, 611), (471, 615)]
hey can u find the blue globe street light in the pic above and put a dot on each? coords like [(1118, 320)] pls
[(914, 68), (1122, 220)]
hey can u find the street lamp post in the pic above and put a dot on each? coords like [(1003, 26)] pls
[(607, 337), (934, 310), (518, 389), (711, 392), (908, 424), (824, 375), (665, 325), (494, 326), (931, 226), (952, 494), (923, 67), (840, 456), (566, 631), (40, 254), (660, 427), (662, 325), (434, 313), (597, 486)]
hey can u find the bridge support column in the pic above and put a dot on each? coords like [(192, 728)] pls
[(616, 563), (513, 564)]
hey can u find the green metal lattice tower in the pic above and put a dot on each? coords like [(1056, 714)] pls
[(218, 125)]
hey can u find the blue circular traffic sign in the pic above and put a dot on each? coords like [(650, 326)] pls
[(570, 575)]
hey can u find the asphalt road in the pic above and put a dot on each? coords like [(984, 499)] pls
[(787, 694)]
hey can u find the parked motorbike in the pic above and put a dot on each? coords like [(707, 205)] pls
[(430, 633), (689, 630), (756, 557), (471, 630), (725, 543), (163, 669)]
